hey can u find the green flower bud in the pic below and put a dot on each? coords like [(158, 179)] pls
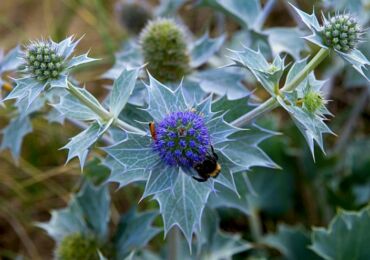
[(165, 50), (313, 101), (43, 62), (77, 247), (134, 16), (341, 32)]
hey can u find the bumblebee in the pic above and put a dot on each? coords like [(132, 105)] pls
[(208, 168)]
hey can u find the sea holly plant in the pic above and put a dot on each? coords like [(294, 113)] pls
[(185, 135)]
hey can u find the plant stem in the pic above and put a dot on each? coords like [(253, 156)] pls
[(173, 243), (255, 225), (272, 103), (100, 111)]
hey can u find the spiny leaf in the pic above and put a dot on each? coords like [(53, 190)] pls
[(222, 82), (80, 144), (346, 238), (268, 74), (14, 133), (79, 60), (134, 231), (245, 12), (122, 90), (216, 244), (87, 213), (183, 207), (204, 48), (292, 242)]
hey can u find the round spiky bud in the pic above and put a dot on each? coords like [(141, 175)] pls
[(313, 101), (182, 139), (77, 247), (165, 50), (134, 16), (43, 62), (341, 32)]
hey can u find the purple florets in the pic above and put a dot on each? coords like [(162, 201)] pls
[(182, 139)]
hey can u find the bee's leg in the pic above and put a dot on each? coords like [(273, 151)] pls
[(213, 152), (199, 179)]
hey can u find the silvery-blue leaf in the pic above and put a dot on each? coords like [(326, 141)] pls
[(233, 109), (313, 24), (358, 61), (204, 48), (292, 242), (192, 91), (122, 90), (134, 158), (311, 125), (79, 145), (26, 88), (139, 94), (135, 116), (268, 74), (130, 57), (78, 60), (162, 178), (225, 197), (87, 213), (124, 177), (71, 107), (55, 116), (134, 231), (245, 12), (245, 152), (215, 243), (346, 237), (227, 81), (286, 40), (66, 47), (168, 7), (161, 99), (183, 207), (11, 60), (309, 19), (60, 82), (14, 133)]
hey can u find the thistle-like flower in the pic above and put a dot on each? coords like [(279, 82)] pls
[(43, 61), (184, 135), (182, 139), (313, 101), (340, 33), (165, 50), (77, 247), (46, 64)]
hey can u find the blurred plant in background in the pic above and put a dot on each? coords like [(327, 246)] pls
[(211, 58)]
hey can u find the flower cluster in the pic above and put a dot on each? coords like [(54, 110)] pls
[(43, 61), (341, 32), (313, 101), (182, 139), (165, 50), (134, 16), (77, 247)]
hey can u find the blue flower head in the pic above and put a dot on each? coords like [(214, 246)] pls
[(182, 139)]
